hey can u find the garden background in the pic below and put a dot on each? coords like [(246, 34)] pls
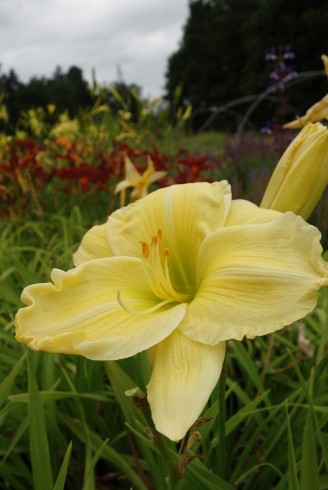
[(237, 77)]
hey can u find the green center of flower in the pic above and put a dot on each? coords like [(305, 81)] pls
[(157, 273), (157, 270)]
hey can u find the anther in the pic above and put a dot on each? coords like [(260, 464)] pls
[(145, 249), (154, 240)]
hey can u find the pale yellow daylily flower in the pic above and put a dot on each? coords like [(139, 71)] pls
[(177, 273), (317, 112), (301, 175), (140, 182)]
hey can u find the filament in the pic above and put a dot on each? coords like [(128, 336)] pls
[(142, 312)]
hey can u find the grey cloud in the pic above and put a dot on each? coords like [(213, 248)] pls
[(138, 35)]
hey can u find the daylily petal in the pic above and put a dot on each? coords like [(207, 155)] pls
[(80, 313), (325, 63), (184, 375), (151, 175), (138, 193), (94, 245), (131, 173), (184, 214), (124, 184), (246, 213), (315, 113), (150, 169), (156, 176), (255, 279)]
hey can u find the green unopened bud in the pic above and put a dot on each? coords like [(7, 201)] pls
[(301, 175)]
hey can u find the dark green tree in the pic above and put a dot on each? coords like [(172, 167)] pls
[(34, 94), (67, 91), (10, 87), (221, 56)]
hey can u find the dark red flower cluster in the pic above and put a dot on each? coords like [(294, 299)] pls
[(190, 168), (74, 167), (22, 176)]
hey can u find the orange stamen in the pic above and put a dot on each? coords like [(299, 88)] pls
[(145, 249)]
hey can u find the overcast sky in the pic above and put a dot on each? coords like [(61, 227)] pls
[(137, 36)]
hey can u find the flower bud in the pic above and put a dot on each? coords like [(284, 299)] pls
[(301, 175)]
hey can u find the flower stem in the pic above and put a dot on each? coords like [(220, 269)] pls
[(172, 464), (175, 462), (222, 464), (174, 477)]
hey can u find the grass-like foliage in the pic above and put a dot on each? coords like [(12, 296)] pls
[(66, 422)]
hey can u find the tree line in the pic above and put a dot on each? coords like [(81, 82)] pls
[(67, 91)]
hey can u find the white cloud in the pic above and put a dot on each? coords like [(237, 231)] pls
[(137, 35)]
